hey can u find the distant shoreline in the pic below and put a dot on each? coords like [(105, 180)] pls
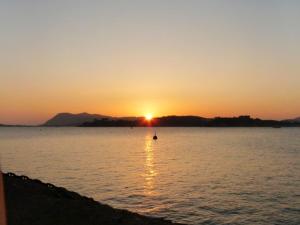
[(166, 121), (96, 120), (43, 126)]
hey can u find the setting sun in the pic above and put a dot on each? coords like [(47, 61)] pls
[(148, 116)]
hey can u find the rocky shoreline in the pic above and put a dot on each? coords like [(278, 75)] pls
[(32, 202)]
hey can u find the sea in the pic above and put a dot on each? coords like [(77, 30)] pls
[(195, 176)]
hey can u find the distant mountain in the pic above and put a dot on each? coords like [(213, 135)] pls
[(166, 121), (179, 121), (295, 120), (69, 119), (191, 121), (95, 120)]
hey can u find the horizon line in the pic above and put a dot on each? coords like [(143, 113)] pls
[(120, 117)]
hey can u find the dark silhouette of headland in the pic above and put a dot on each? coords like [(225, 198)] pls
[(95, 120), (192, 121), (69, 119)]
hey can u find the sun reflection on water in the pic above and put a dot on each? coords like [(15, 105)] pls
[(150, 172)]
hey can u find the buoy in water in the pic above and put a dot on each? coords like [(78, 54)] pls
[(155, 136)]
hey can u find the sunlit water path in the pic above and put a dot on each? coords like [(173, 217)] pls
[(190, 175)]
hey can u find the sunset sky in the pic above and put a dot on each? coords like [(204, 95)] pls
[(129, 58)]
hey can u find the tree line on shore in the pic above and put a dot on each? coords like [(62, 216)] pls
[(191, 121)]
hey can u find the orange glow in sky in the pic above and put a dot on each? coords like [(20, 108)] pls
[(165, 57)]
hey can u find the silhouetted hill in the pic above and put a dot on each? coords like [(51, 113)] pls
[(95, 120), (179, 121), (69, 119), (295, 120), (191, 121)]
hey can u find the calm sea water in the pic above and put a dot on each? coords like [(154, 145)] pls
[(189, 175)]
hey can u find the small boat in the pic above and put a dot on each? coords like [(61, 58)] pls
[(155, 136)]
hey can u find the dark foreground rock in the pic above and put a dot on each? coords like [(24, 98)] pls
[(31, 202)]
